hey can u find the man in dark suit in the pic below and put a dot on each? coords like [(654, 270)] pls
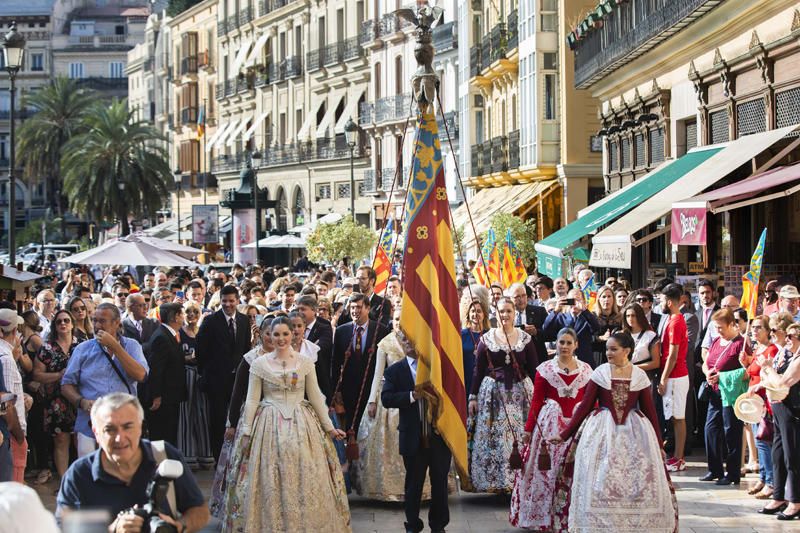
[(380, 310), (645, 299), (224, 337), (167, 384), (136, 325), (355, 348), (706, 307), (529, 318), (320, 332), (421, 447)]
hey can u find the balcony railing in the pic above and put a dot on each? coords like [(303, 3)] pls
[(222, 27), (513, 149), (230, 87), (475, 63), (334, 54), (369, 31), (388, 25), (476, 160), (366, 114), (233, 23), (314, 59), (104, 84), (445, 37), (396, 107), (352, 49), (371, 180), (289, 68), (266, 6), (219, 91), (451, 119), (189, 115), (244, 83), (513, 29), (245, 15), (189, 65), (294, 153), (629, 31), (499, 38), (5, 114), (387, 177), (500, 154), (262, 77)]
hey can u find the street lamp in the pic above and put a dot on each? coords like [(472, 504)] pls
[(122, 214), (178, 180), (255, 162), (351, 135), (13, 54)]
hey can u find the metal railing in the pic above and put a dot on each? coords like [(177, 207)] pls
[(233, 23), (314, 59), (266, 6), (499, 39), (245, 15), (513, 29), (323, 149), (244, 83), (366, 113), (513, 149), (222, 27), (451, 119), (387, 177), (352, 49), (629, 31), (369, 31), (289, 68), (189, 65), (371, 179), (103, 84), (395, 107), (476, 160), (230, 87), (445, 37), (475, 61), (219, 91), (500, 154), (388, 24), (262, 77), (189, 115), (334, 53)]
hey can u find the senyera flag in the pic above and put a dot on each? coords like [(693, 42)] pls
[(480, 271), (382, 264), (751, 278), (429, 316), (513, 269)]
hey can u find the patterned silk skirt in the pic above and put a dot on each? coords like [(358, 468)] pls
[(616, 478), (379, 473), (287, 478), (493, 438), (534, 489)]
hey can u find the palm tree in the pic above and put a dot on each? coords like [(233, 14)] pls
[(61, 108), (115, 169)]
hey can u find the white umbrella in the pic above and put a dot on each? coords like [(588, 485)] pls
[(129, 250), (173, 247), (278, 241)]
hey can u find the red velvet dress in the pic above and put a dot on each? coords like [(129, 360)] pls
[(614, 478)]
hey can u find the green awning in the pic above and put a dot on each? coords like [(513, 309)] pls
[(550, 250)]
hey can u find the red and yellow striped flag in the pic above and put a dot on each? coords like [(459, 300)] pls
[(480, 271), (430, 317), (382, 265), (494, 265)]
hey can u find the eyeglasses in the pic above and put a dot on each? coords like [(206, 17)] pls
[(642, 299), (80, 309), (122, 295), (63, 321)]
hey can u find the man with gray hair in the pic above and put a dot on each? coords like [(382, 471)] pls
[(116, 476), (46, 308), (529, 318), (107, 363)]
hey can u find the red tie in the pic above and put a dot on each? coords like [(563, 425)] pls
[(359, 332), (178, 337)]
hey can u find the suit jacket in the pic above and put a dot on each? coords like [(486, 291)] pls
[(218, 354), (699, 313), (167, 373), (149, 326), (378, 311), (321, 334), (356, 368), (585, 326), (655, 321), (536, 315), (398, 383)]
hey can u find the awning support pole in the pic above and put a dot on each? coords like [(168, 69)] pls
[(783, 153)]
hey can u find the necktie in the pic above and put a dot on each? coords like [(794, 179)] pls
[(359, 332), (138, 326), (231, 328), (519, 318), (178, 337)]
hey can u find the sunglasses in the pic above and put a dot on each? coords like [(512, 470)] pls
[(63, 321), (122, 295), (642, 300), (78, 309)]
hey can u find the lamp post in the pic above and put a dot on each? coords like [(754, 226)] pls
[(351, 135), (13, 54), (255, 162), (122, 215), (178, 180)]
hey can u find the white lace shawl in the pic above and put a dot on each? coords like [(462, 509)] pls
[(602, 376)]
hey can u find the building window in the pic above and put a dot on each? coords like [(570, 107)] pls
[(549, 15), (612, 157), (787, 107), (550, 94), (76, 70), (751, 117), (342, 191), (360, 188), (324, 191), (37, 62), (3, 149), (116, 69), (626, 153), (550, 61), (656, 146), (691, 135), (719, 121), (638, 146)]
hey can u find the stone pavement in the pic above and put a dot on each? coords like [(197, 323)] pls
[(704, 508)]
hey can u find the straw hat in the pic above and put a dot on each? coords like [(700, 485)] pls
[(776, 394), (749, 408)]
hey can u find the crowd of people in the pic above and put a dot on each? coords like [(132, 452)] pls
[(298, 388)]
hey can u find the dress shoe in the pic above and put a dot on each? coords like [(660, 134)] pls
[(776, 510), (784, 516), (709, 477), (723, 481)]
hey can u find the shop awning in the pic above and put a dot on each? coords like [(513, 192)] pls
[(230, 140), (304, 133), (222, 138), (491, 200), (350, 111), (253, 57), (550, 250), (252, 129), (327, 120), (613, 246), (217, 134), (238, 62)]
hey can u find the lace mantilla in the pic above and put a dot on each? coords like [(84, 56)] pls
[(550, 371), (261, 368), (390, 345), (490, 339)]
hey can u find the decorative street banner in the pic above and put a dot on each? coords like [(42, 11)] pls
[(244, 232), (205, 224), (689, 226)]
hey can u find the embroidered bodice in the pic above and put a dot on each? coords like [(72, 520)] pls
[(618, 396), (284, 390), (491, 348), (389, 352), (552, 383)]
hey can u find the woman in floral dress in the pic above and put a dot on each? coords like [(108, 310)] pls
[(48, 369), (499, 400)]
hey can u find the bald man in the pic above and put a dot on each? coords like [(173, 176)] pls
[(729, 302)]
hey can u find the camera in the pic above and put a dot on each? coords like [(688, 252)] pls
[(167, 471)]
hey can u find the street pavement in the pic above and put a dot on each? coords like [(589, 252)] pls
[(704, 508)]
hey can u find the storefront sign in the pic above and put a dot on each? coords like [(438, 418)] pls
[(205, 224), (244, 231), (611, 255), (549, 265), (689, 226)]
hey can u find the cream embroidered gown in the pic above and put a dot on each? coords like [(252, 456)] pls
[(288, 477)]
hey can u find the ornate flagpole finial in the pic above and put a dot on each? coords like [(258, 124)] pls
[(425, 82)]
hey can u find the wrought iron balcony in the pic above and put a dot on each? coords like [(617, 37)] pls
[(369, 31), (245, 15), (230, 87), (289, 68), (499, 154), (189, 65), (475, 61), (314, 59), (104, 84), (352, 49), (445, 37), (629, 31), (476, 160), (451, 119), (233, 23), (513, 29), (262, 76), (499, 40), (371, 179), (513, 149), (366, 113), (388, 25), (222, 27), (388, 176), (189, 115), (396, 107), (219, 91), (334, 53), (244, 83)]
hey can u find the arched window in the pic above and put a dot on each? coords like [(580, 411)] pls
[(299, 207), (282, 210)]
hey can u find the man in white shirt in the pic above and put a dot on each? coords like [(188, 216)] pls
[(789, 301), (46, 309), (10, 351)]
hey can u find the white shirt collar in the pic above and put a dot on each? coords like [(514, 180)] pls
[(171, 330), (412, 364)]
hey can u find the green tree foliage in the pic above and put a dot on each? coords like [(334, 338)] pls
[(332, 242), (522, 231), (115, 149), (32, 232), (176, 7)]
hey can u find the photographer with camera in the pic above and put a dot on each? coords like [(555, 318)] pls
[(571, 312), (128, 476)]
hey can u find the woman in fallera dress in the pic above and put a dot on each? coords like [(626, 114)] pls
[(613, 477), (379, 473), (499, 400), (286, 472), (558, 388)]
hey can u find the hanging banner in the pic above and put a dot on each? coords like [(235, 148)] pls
[(205, 224), (244, 232), (689, 226)]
